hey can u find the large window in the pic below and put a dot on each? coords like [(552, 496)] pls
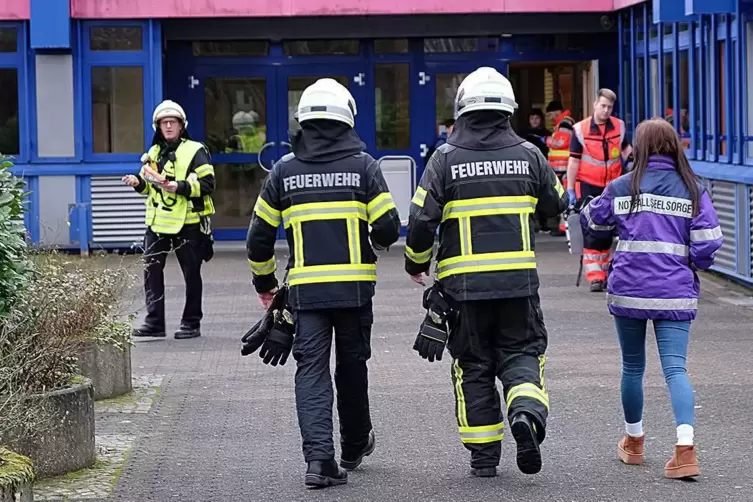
[(117, 64), (10, 143), (392, 98)]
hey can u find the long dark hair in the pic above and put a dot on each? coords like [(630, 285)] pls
[(657, 137)]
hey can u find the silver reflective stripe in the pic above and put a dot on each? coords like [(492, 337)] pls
[(375, 209), (652, 247), (592, 225), (593, 267), (457, 211), (630, 302), (306, 274), (482, 435), (591, 160), (589, 256), (353, 237), (484, 263), (295, 213), (337, 110), (709, 234), (465, 236)]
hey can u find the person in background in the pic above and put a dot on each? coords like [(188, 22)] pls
[(668, 229), (536, 133), (445, 129), (177, 178)]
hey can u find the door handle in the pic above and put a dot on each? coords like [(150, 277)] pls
[(261, 150), (424, 149)]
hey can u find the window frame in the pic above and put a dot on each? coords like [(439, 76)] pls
[(19, 61), (151, 76)]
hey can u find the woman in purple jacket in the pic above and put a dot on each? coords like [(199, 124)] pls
[(667, 229)]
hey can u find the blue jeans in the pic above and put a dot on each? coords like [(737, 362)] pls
[(672, 340)]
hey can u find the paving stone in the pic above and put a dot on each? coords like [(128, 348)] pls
[(223, 427)]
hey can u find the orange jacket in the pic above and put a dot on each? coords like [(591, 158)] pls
[(601, 160), (559, 142)]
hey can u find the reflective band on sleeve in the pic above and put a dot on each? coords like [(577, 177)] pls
[(419, 197), (263, 267), (332, 273), (591, 225), (323, 211), (267, 212), (204, 170), (417, 257), (482, 433), (378, 206), (486, 262), (529, 390), (629, 302), (652, 247), (195, 187), (558, 187), (709, 234), (489, 206)]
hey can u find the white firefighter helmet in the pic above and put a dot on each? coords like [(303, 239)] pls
[(167, 109), (327, 99), (485, 89), (244, 119)]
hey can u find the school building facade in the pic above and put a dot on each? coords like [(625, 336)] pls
[(80, 79)]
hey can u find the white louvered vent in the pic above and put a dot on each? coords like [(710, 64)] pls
[(117, 212), (723, 196)]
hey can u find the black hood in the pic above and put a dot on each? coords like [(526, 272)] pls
[(483, 130), (325, 141)]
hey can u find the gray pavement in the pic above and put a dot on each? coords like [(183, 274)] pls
[(223, 427)]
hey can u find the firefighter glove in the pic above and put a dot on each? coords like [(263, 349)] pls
[(279, 342), (254, 338), (432, 337)]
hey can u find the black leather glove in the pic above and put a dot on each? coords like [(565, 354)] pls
[(279, 342), (434, 331), (254, 338)]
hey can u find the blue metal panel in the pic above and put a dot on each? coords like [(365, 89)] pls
[(646, 66), (729, 99), (669, 11), (661, 106), (692, 101), (717, 171), (31, 219), (709, 7), (621, 70), (676, 106), (80, 218), (633, 74), (712, 81), (50, 24)]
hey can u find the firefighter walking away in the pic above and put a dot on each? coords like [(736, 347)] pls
[(334, 204), (484, 186)]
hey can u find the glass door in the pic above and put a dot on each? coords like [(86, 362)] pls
[(234, 115), (294, 79), (444, 78)]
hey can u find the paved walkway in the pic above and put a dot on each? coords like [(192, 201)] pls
[(208, 425)]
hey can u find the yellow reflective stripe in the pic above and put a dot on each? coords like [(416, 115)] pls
[(419, 197), (558, 186), (559, 154), (466, 246), (488, 206), (528, 390), (298, 244), (263, 267), (525, 232), (354, 239), (267, 212), (195, 187), (486, 262), (459, 396), (415, 257), (542, 363), (191, 218), (204, 170), (332, 273), (324, 211), (379, 205), (482, 433)]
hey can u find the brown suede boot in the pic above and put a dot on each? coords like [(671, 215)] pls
[(683, 463), (630, 450)]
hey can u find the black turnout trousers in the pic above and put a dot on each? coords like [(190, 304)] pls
[(503, 339), (313, 383), (189, 246)]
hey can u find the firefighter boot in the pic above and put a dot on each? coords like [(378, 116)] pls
[(484, 472), (683, 464), (630, 450), (349, 459), (146, 331), (324, 473), (529, 455), (597, 286)]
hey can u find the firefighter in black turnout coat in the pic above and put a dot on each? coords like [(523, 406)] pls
[(484, 186), (334, 204)]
